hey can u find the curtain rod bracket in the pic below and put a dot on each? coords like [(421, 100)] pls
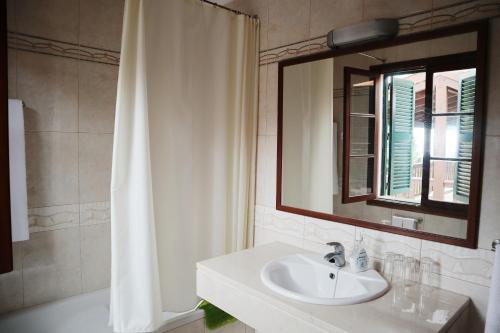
[(229, 9)]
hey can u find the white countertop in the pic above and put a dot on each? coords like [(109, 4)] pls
[(232, 282)]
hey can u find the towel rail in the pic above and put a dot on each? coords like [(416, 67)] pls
[(494, 244)]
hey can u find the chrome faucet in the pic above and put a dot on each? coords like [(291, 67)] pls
[(336, 257)]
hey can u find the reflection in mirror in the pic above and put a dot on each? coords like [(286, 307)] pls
[(359, 135), (309, 152), (396, 165)]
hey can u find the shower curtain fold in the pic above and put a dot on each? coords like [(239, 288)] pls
[(182, 184)]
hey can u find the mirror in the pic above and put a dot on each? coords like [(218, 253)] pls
[(386, 137)]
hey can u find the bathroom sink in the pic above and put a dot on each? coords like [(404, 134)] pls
[(311, 279)]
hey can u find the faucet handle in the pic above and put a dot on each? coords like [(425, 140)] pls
[(337, 246)]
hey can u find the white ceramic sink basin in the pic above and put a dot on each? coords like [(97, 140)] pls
[(311, 279)]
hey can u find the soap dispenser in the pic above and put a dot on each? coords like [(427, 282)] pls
[(358, 259)]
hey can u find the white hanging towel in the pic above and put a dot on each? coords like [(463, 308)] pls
[(493, 314), (17, 165)]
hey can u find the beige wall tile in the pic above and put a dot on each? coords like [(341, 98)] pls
[(394, 9), (265, 236), (54, 19), (282, 222), (52, 168), (11, 284), (453, 44), (441, 3), (445, 226), (271, 111), (374, 213), (101, 23), (461, 263), (53, 218), (95, 213), (322, 232), (494, 35), (378, 243), (94, 161), (96, 97), (262, 100), (266, 171), (489, 226), (11, 15), (48, 86), (288, 21), (333, 14), (96, 256), (411, 51), (493, 75), (51, 266), (268, 100), (12, 73)]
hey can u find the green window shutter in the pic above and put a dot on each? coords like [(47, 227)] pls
[(466, 99), (401, 147)]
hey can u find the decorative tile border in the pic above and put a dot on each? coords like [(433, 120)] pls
[(36, 44), (95, 213), (452, 14), (53, 218), (288, 51), (461, 12)]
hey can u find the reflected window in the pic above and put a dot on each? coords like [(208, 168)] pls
[(413, 143), (427, 132)]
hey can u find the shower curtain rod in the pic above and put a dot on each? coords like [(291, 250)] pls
[(229, 9)]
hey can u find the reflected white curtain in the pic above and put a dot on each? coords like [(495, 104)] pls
[(309, 152), (184, 153)]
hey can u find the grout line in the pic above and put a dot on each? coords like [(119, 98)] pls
[(363, 9), (310, 18), (68, 132), (78, 150), (69, 204)]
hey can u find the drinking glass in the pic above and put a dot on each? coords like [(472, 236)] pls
[(411, 271), (388, 265), (425, 275), (398, 268)]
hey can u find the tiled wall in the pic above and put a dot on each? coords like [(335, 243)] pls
[(69, 112), (291, 21)]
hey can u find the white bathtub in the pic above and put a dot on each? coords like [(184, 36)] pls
[(86, 313)]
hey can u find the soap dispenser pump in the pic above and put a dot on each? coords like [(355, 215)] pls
[(359, 258)]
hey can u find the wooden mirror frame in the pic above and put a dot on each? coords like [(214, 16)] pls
[(481, 28)]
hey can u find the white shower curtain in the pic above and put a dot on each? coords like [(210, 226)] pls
[(184, 153)]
